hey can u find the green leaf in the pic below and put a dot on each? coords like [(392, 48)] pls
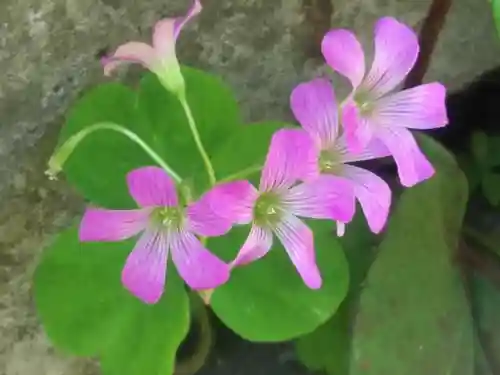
[(493, 151), (479, 145), (100, 163), (98, 166), (214, 109), (486, 304), (267, 300), (471, 170), (496, 14), (328, 347), (86, 311), (491, 188), (413, 315), (245, 149)]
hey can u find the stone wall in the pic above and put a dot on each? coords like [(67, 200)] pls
[(49, 55)]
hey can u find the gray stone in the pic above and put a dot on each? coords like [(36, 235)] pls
[(48, 57)]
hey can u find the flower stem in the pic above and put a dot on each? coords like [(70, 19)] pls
[(197, 140), (62, 154), (243, 173)]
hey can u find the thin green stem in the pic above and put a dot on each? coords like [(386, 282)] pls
[(197, 140), (243, 173), (62, 154), (193, 364)]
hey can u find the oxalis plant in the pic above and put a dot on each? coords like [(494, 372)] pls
[(273, 226)]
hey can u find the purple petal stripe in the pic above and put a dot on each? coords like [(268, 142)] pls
[(152, 186)]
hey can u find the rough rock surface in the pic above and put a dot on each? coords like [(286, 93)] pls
[(48, 57)]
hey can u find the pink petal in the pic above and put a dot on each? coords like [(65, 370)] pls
[(343, 52), (326, 197), (314, 105), (131, 52), (396, 50), (233, 201), (291, 156), (167, 31), (112, 225), (374, 149), (358, 129), (204, 221), (199, 268), (298, 242), (421, 107), (374, 195), (257, 245), (146, 267), (152, 186), (413, 166)]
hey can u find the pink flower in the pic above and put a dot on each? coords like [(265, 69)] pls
[(371, 111), (160, 58), (314, 106), (167, 228), (279, 201)]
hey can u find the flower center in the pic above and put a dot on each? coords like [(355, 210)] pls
[(329, 162), (268, 209), (363, 103), (171, 217)]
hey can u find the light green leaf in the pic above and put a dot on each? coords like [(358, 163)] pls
[(328, 347), (86, 311), (413, 316), (267, 300), (496, 14), (214, 109), (491, 188), (100, 163)]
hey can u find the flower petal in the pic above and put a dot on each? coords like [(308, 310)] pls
[(413, 166), (344, 54), (291, 156), (315, 107), (232, 201), (204, 221), (358, 129), (373, 194), (112, 225), (373, 150), (396, 51), (421, 107), (146, 267), (298, 242), (152, 186), (131, 52), (167, 31), (258, 244), (199, 268), (326, 197)]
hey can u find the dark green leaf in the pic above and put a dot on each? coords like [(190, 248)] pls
[(413, 316), (100, 163), (491, 188), (267, 300), (493, 151), (328, 347), (471, 171), (86, 311), (479, 145), (486, 302)]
